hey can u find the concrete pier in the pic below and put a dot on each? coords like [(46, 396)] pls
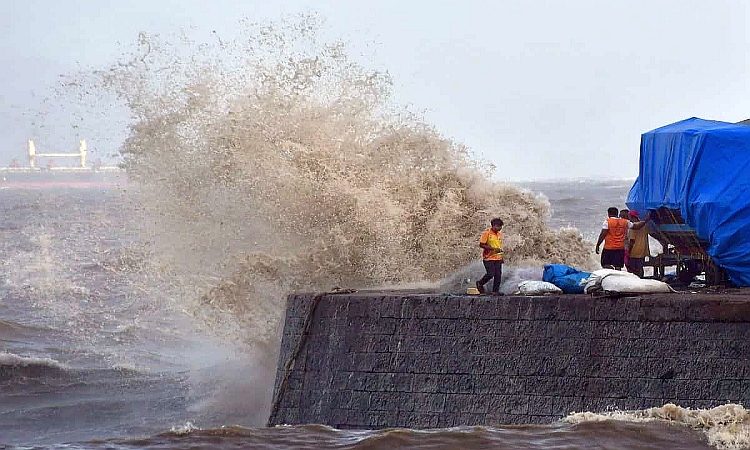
[(378, 359)]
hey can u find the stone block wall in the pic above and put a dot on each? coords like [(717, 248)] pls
[(377, 360)]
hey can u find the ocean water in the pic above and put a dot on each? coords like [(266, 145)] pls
[(93, 356), (149, 316)]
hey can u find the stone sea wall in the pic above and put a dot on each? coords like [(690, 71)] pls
[(378, 359)]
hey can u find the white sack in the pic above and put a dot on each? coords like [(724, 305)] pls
[(619, 281), (628, 285), (532, 287), (594, 280)]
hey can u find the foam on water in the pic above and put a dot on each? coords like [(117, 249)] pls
[(12, 360), (726, 426), (184, 429)]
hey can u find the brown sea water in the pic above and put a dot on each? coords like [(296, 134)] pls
[(97, 353), (149, 317)]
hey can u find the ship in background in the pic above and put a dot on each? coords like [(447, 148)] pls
[(50, 175)]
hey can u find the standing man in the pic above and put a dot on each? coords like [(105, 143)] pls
[(638, 247), (624, 214), (491, 243), (613, 234)]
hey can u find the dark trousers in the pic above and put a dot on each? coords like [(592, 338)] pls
[(614, 258), (495, 272)]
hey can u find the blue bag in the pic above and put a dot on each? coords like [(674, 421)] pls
[(565, 277)]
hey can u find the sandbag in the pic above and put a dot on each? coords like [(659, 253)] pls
[(594, 281), (627, 285), (534, 287), (617, 281), (565, 277)]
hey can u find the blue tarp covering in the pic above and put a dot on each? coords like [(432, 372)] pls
[(702, 168), (565, 277)]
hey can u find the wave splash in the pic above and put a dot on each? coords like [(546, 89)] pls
[(274, 162), (727, 426), (8, 359)]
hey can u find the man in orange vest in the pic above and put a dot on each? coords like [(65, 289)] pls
[(613, 234), (491, 243)]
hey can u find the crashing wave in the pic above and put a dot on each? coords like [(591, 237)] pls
[(727, 426), (12, 360)]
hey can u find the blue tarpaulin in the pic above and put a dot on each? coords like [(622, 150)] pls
[(565, 277), (701, 168)]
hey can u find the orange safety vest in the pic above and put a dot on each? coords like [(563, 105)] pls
[(618, 231)]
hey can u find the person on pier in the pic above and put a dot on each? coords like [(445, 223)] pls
[(491, 243), (613, 235), (638, 247)]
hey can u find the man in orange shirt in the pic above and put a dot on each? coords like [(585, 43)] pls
[(491, 243), (613, 234)]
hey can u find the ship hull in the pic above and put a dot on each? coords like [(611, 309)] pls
[(62, 178)]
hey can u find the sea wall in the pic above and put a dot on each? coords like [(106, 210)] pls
[(379, 359)]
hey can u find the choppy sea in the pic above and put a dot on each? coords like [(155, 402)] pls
[(89, 359)]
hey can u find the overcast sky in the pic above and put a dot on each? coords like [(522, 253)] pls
[(544, 89)]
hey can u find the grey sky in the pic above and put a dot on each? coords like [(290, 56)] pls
[(543, 89)]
